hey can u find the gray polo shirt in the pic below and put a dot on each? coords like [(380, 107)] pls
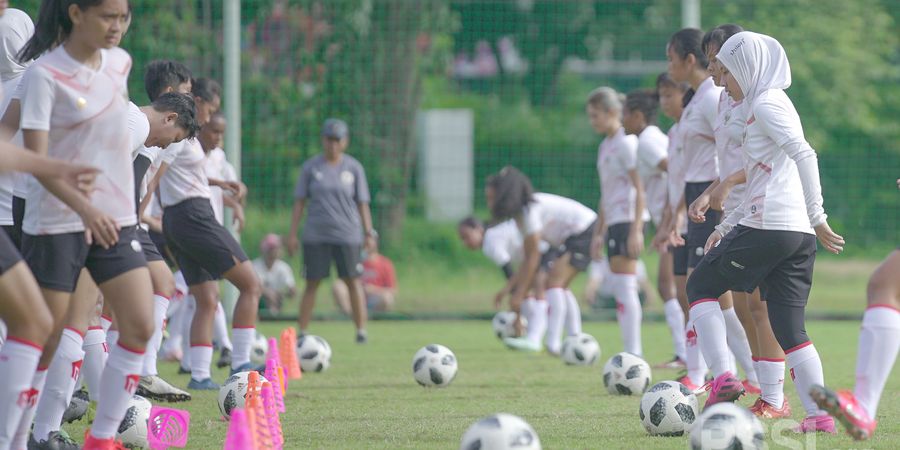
[(332, 193)]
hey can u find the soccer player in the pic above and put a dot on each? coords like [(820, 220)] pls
[(82, 117), (639, 119), (204, 249), (620, 211), (333, 191), (560, 222), (770, 239)]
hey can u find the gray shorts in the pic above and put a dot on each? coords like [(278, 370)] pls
[(317, 258), (57, 259), (9, 254)]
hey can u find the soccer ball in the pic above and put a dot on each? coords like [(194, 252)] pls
[(133, 428), (233, 393), (626, 374), (504, 324), (314, 353), (669, 408), (726, 426), (500, 432), (259, 349), (581, 350), (434, 365)]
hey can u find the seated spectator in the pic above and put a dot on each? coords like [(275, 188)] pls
[(275, 275), (379, 284)]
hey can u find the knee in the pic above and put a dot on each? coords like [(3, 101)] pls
[(37, 328), (164, 287), (882, 289), (137, 331)]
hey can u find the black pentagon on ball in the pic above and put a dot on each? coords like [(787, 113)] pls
[(448, 360), (436, 376), (585, 340), (672, 433), (129, 420), (660, 387), (634, 372), (499, 336), (646, 385), (579, 355), (319, 367), (606, 377), (432, 348), (658, 411), (685, 413), (617, 361), (684, 390), (419, 363), (474, 445), (624, 390), (490, 422), (229, 403), (310, 354), (641, 413), (232, 379)]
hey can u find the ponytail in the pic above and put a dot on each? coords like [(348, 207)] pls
[(52, 28), (512, 193)]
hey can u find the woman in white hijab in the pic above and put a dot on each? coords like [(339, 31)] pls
[(770, 239)]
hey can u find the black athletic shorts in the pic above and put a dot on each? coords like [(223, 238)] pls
[(57, 259), (680, 258), (780, 263), (159, 240), (698, 233), (617, 239), (578, 246), (18, 210), (317, 258), (549, 257), (203, 248), (150, 251), (9, 254)]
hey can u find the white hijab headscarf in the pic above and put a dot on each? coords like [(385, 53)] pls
[(757, 62), (16, 29)]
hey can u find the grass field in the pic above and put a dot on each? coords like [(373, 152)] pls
[(368, 398)]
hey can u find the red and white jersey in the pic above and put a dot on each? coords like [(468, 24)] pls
[(652, 148), (186, 176), (730, 123), (217, 167), (697, 125), (774, 144), (556, 218), (675, 176), (85, 112), (616, 156)]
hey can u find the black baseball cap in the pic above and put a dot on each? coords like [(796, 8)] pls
[(335, 129)]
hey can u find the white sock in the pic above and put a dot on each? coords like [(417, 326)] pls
[(675, 319), (806, 370), (60, 384), (879, 341), (188, 319), (220, 328), (573, 314), (174, 325), (536, 313), (120, 380), (160, 305), (694, 362), (18, 362), (3, 332), (105, 323), (24, 430), (771, 380), (710, 327), (201, 358), (739, 344), (243, 340), (112, 338), (556, 299), (628, 307), (96, 353)]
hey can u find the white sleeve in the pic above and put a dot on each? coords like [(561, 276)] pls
[(37, 98), (494, 249), (171, 154), (628, 153), (151, 153), (287, 276), (780, 121), (651, 153), (530, 223), (228, 172), (731, 220)]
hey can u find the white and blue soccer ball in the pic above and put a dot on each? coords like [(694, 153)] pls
[(500, 432), (434, 366), (233, 393), (668, 408), (626, 374), (504, 324), (727, 426), (133, 428), (314, 353), (580, 350)]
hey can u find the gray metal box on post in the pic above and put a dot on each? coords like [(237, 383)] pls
[(445, 140)]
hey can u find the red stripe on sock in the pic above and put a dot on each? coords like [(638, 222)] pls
[(129, 349), (622, 273), (794, 349), (704, 300), (202, 345), (25, 342), (95, 328), (42, 369), (104, 316), (75, 330), (884, 305), (775, 360), (235, 327), (167, 297)]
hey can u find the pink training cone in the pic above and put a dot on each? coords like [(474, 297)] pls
[(262, 435), (268, 397), (272, 375), (239, 436), (273, 350), (168, 427)]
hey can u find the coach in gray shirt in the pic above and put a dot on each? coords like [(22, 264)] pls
[(332, 188)]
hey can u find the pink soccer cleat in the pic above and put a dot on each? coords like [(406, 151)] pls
[(765, 410), (724, 388), (750, 388), (816, 424), (686, 381), (844, 406)]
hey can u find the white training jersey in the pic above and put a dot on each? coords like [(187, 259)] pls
[(730, 123), (7, 179), (217, 167), (616, 156), (186, 177), (696, 125), (556, 218), (503, 244), (85, 112), (675, 176), (779, 196), (138, 127), (653, 146)]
